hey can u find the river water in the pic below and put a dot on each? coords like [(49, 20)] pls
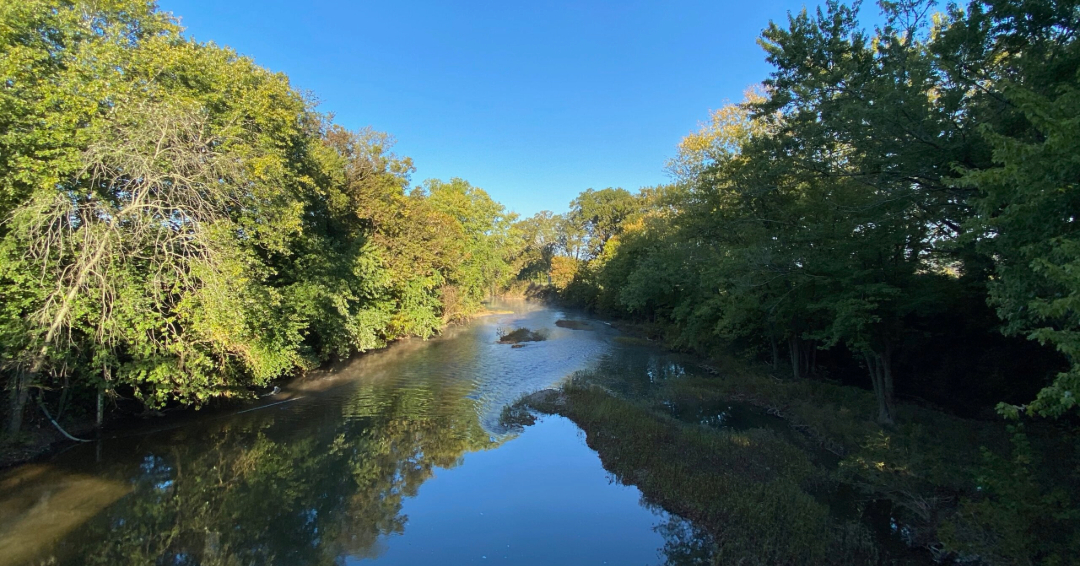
[(404, 457), (395, 457)]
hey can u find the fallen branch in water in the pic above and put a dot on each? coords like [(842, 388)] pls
[(56, 424)]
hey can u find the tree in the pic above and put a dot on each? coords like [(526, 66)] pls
[(179, 224), (539, 235), (1024, 58), (486, 227), (599, 215)]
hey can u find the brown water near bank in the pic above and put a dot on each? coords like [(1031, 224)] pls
[(391, 457), (41, 503)]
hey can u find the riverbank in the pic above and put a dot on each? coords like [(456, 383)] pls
[(39, 438), (833, 486)]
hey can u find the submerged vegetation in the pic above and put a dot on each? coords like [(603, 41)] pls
[(520, 335), (748, 489), (778, 471)]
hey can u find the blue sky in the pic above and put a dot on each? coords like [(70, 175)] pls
[(533, 101)]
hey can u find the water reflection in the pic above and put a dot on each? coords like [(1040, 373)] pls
[(399, 458), (324, 478), (261, 490), (41, 504), (757, 491)]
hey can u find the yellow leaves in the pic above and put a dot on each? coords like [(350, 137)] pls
[(563, 269), (721, 137), (740, 440)]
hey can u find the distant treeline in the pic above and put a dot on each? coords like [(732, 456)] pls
[(899, 203), (180, 224)]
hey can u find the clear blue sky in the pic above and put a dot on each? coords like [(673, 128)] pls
[(532, 101)]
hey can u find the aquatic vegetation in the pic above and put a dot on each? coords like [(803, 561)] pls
[(910, 488), (634, 341), (750, 490), (519, 335), (516, 417)]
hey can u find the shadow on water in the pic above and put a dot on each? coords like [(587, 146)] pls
[(301, 485)]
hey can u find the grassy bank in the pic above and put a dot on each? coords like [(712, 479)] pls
[(819, 482), (749, 490)]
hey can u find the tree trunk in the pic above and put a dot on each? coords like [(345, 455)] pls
[(880, 367), (106, 374), (793, 345), (889, 411), (20, 392), (803, 356), (65, 395), (775, 352)]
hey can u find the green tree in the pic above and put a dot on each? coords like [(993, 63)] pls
[(487, 249), (539, 235), (599, 216)]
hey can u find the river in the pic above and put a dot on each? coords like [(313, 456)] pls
[(395, 457), (404, 456)]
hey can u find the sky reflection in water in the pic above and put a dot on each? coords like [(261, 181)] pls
[(395, 457)]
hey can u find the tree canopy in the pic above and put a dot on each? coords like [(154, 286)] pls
[(180, 224), (867, 201)]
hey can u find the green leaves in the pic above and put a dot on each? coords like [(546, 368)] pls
[(875, 183), (179, 224), (1028, 203), (488, 246)]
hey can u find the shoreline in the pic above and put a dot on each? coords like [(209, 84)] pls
[(922, 469), (45, 440)]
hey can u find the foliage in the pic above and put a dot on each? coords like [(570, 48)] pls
[(896, 203), (489, 245), (1022, 512), (599, 216), (179, 224), (877, 184)]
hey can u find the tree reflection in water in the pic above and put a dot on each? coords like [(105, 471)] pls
[(258, 491), (325, 479)]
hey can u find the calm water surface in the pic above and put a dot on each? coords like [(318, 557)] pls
[(396, 457)]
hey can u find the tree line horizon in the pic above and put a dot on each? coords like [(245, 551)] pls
[(896, 205)]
